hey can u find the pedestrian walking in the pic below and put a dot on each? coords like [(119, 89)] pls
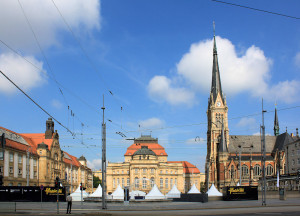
[(69, 200)]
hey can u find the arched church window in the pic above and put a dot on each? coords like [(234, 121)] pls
[(257, 170), (232, 172), (245, 170), (269, 170)]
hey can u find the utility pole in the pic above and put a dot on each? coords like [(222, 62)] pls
[(71, 191), (104, 206), (27, 168), (240, 165), (263, 158)]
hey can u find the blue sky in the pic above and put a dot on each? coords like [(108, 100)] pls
[(156, 58)]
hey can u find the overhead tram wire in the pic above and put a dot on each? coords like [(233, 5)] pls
[(36, 103), (41, 70), (256, 9)]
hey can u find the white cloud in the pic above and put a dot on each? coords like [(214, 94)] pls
[(297, 60), (56, 104), (160, 89), (246, 73), (45, 20), (20, 72), (247, 122), (152, 123), (95, 164)]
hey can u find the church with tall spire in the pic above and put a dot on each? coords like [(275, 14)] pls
[(236, 159)]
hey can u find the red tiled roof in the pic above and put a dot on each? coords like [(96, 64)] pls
[(73, 160), (158, 149), (37, 138), (31, 147), (188, 168)]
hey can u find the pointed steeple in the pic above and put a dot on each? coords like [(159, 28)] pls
[(276, 123), (216, 80), (222, 145)]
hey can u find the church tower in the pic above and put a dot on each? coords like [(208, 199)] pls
[(276, 123), (217, 129)]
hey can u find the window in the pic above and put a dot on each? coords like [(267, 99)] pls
[(293, 152), (245, 170), (144, 183), (20, 171), (11, 157), (19, 159), (196, 182), (128, 181), (136, 182), (35, 174), (122, 171), (166, 171), (118, 172), (269, 170), (171, 171), (171, 182), (118, 181), (176, 181), (175, 172), (19, 184), (34, 162), (114, 183), (161, 172), (298, 161), (127, 171), (232, 172), (1, 155), (144, 170), (123, 182), (167, 183), (136, 171), (257, 170), (113, 172), (298, 152), (161, 183), (11, 170), (293, 162), (152, 182), (152, 170), (41, 151), (1, 169)]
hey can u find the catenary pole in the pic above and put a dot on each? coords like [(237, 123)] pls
[(104, 206), (263, 160)]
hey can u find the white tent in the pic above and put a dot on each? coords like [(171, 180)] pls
[(213, 191), (76, 196), (155, 194), (194, 190), (173, 193), (118, 193), (238, 184), (98, 192), (133, 193)]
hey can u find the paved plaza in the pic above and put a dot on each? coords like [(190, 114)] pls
[(274, 207)]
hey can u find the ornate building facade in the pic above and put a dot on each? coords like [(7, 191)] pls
[(146, 164), (236, 159), (37, 159)]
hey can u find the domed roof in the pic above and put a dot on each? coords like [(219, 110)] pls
[(144, 150)]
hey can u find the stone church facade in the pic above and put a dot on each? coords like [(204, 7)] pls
[(236, 159)]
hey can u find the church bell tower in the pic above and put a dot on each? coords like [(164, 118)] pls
[(217, 129)]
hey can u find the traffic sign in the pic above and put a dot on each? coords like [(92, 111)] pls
[(42, 187)]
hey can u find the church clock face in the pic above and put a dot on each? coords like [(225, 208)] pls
[(218, 103)]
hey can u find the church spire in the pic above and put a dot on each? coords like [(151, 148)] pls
[(216, 80), (276, 123)]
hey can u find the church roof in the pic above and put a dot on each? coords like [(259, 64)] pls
[(247, 141), (282, 140)]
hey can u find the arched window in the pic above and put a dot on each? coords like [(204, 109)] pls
[(161, 183), (167, 183), (171, 182), (152, 182), (144, 183), (232, 172), (269, 170), (136, 182), (245, 170), (257, 170)]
